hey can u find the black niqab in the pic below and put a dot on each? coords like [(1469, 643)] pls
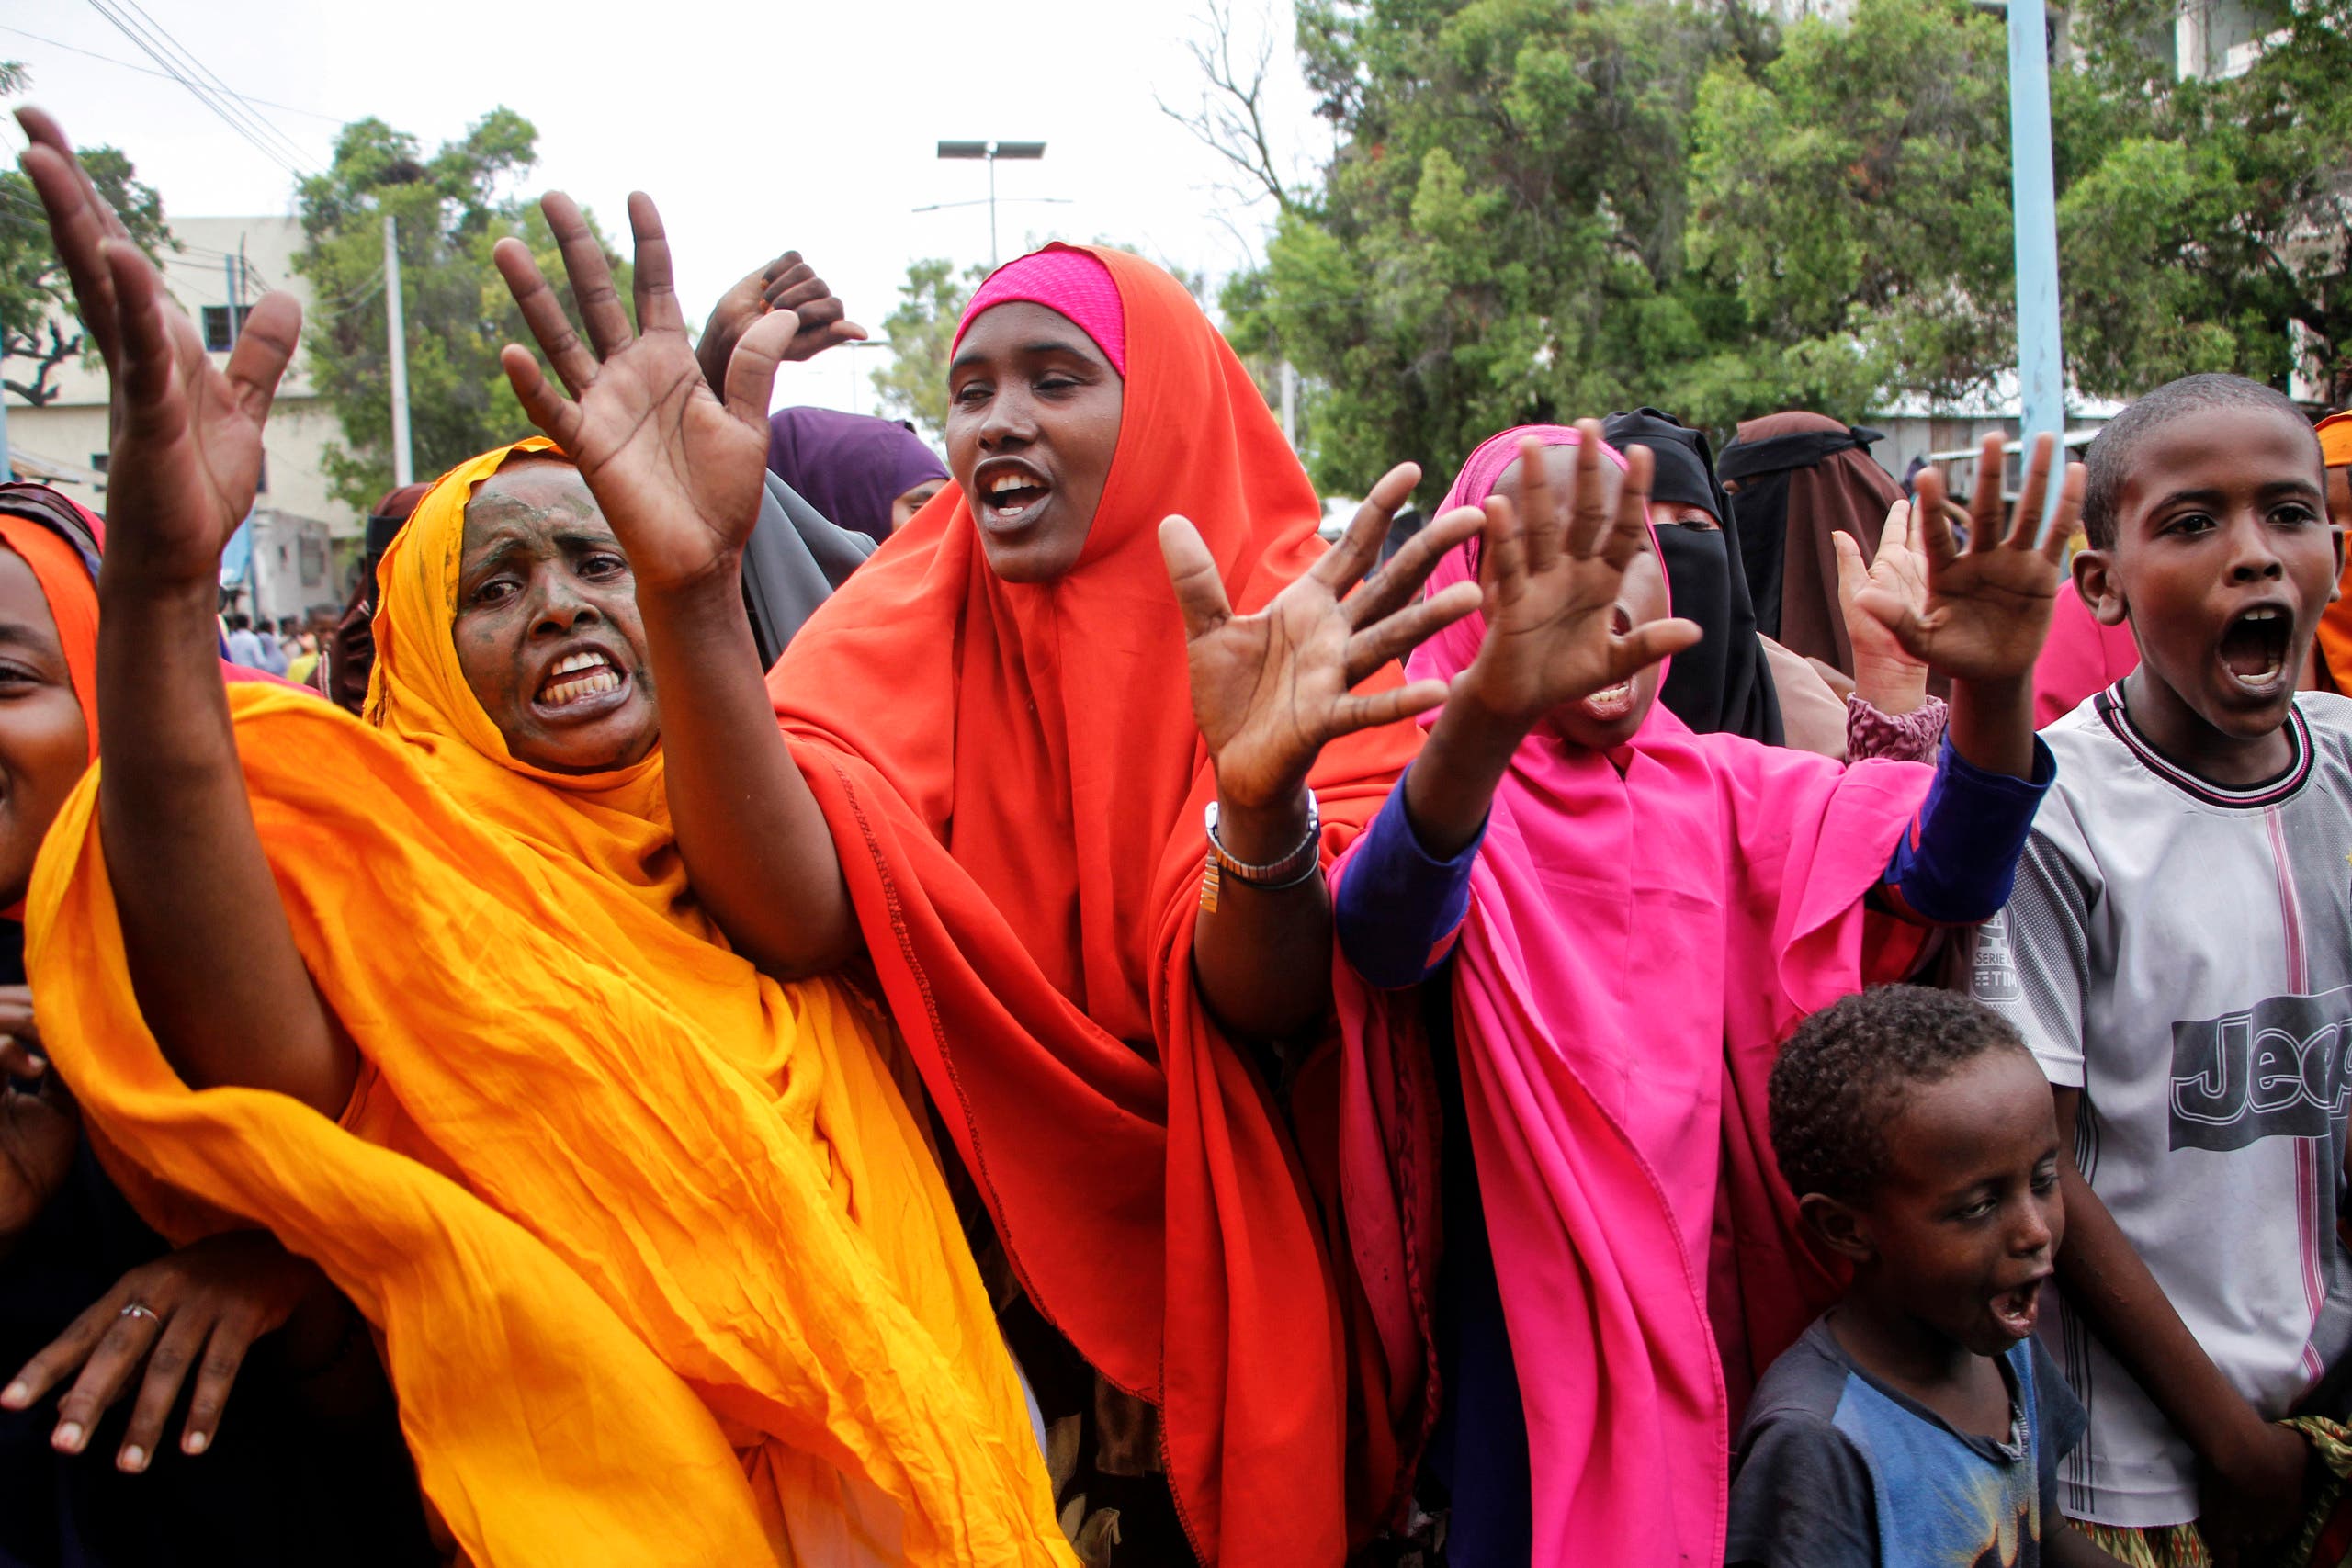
[(1724, 684)]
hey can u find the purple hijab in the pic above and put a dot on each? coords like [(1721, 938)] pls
[(848, 466)]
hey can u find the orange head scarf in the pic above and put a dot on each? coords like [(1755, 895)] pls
[(67, 579), (1016, 783), (665, 1268)]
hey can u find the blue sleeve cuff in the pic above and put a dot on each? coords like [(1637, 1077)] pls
[(1399, 908), (1956, 864)]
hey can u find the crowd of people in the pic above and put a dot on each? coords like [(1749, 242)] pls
[(763, 998)]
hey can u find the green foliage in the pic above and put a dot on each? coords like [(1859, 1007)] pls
[(450, 209), (2215, 226), (38, 323), (1855, 196), (1541, 212), (921, 330)]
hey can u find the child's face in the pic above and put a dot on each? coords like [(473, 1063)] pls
[(2222, 561), (1962, 1230)]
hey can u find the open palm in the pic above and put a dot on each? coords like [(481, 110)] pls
[(1987, 607), (1552, 575), (676, 471), (187, 444), (1272, 688)]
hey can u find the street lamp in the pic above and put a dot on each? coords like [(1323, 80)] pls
[(991, 152)]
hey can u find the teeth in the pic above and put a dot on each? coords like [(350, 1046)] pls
[(2266, 614), (1009, 481), (565, 692), (578, 662)]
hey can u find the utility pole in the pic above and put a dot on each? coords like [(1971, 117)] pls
[(2034, 202), (396, 346), (1290, 404)]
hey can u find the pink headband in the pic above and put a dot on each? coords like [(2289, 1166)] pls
[(1075, 283)]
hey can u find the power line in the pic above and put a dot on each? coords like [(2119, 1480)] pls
[(228, 112), (150, 70), (261, 122)]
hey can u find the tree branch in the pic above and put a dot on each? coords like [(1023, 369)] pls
[(39, 393), (1231, 118)]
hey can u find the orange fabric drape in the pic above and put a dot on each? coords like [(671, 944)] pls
[(665, 1268), (1016, 783)]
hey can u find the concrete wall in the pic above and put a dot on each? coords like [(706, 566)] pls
[(223, 260)]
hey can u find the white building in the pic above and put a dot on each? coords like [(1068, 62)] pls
[(224, 266)]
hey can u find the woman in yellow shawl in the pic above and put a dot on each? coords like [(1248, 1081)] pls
[(662, 1268)]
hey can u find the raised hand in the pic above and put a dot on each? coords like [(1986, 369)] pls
[(186, 448), (1987, 607), (38, 1124), (1271, 689), (1886, 675), (786, 283), (1551, 575), (199, 1309), (676, 471)]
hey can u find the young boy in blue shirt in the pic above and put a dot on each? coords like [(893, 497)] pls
[(1918, 1420)]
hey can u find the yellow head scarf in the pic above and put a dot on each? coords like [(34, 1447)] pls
[(664, 1268)]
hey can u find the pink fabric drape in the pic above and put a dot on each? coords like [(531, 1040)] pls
[(1645, 927)]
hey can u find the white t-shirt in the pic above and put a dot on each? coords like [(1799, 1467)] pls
[(2183, 955)]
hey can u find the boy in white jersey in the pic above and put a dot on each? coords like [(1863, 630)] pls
[(2178, 956)]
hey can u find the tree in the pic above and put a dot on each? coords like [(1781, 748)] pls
[(1854, 197), (1537, 211), (1499, 235), (2215, 229), (921, 330), (450, 209), (37, 323)]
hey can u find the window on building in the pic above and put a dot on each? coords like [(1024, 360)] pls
[(99, 460), (219, 336), (260, 478)]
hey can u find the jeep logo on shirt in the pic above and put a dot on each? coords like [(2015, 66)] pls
[(2279, 1069)]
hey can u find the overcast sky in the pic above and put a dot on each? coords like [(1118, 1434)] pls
[(753, 127)]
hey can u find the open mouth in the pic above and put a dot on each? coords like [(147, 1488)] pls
[(1612, 703), (2253, 649), (2016, 1311), (1009, 491), (578, 678)]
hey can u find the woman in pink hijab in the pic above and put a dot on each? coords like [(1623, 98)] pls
[(1623, 921)]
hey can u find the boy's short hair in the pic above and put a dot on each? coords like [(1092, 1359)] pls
[(2110, 456), (1842, 1078)]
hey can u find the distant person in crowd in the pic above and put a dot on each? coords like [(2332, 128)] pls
[(663, 1265), (305, 661), (1797, 479), (2178, 958), (273, 653), (1740, 682), (865, 474), (1622, 919), (2333, 660), (1919, 1420), (244, 647), (871, 474), (348, 653), (261, 1431)]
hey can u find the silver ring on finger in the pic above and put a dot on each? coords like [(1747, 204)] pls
[(140, 1309)]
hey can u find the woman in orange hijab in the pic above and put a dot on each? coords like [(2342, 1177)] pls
[(992, 780), (663, 1267), (2333, 657)]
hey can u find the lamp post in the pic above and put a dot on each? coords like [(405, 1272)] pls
[(991, 152), (2041, 365)]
